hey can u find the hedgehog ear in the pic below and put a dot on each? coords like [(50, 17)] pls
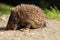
[(12, 10)]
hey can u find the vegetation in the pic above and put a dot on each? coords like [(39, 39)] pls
[(4, 9), (53, 13)]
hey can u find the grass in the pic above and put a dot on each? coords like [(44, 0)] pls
[(53, 13), (4, 9)]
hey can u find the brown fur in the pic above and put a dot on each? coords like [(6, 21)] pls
[(26, 16)]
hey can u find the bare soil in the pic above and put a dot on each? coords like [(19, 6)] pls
[(51, 32)]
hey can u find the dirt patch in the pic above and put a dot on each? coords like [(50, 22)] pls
[(51, 32)]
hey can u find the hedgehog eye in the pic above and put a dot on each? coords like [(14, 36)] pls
[(15, 18)]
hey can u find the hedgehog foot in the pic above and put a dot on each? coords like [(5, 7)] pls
[(27, 28)]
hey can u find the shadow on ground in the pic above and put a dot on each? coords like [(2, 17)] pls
[(2, 28)]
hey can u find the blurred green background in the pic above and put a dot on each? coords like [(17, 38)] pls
[(50, 7)]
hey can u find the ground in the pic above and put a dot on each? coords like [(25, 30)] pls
[(51, 32)]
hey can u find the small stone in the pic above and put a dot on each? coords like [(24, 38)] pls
[(9, 34), (3, 18), (22, 29)]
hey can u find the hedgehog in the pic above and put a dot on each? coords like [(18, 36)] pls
[(26, 16)]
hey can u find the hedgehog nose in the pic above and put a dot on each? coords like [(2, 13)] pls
[(14, 27)]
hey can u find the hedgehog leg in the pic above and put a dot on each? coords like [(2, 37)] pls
[(27, 27)]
